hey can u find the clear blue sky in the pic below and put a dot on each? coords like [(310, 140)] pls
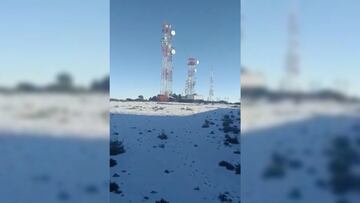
[(40, 38), (329, 40), (207, 30)]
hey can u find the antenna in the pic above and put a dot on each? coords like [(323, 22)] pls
[(292, 63), (211, 89), (167, 68), (191, 80)]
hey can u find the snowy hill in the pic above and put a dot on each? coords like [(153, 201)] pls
[(53, 148), (300, 152), (173, 152)]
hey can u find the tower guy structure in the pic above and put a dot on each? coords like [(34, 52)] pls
[(211, 89), (292, 63), (191, 79), (167, 68)]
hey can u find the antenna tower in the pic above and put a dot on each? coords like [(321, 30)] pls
[(211, 89), (292, 63), (190, 81), (166, 71)]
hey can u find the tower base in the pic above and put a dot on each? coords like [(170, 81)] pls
[(163, 98)]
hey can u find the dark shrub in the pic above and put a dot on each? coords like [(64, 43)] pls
[(276, 168), (115, 188), (112, 163), (224, 198), (227, 165), (295, 194), (163, 136), (116, 148), (237, 169), (295, 164), (206, 124), (231, 140), (343, 158), (162, 201)]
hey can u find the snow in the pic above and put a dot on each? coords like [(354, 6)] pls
[(262, 114), (162, 108), (54, 148), (190, 154), (76, 114), (303, 132)]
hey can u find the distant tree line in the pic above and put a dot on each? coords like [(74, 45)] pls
[(173, 98), (64, 82), (325, 94)]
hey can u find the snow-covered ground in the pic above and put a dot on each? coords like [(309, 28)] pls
[(54, 148), (81, 114), (163, 109), (174, 152), (300, 152)]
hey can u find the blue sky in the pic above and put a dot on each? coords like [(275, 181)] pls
[(41, 38), (207, 30), (329, 40)]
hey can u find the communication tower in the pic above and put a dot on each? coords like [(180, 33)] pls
[(211, 89), (191, 79), (167, 68)]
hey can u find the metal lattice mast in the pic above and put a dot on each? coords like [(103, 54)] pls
[(167, 51), (191, 80), (292, 65), (292, 60), (211, 89)]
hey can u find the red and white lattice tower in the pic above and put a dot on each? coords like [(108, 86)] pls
[(166, 71), (191, 80)]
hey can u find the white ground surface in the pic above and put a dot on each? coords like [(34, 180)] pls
[(53, 148), (298, 131), (190, 153), (162, 109), (85, 114)]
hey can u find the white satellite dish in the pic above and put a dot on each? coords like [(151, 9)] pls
[(173, 51), (173, 32), (197, 61)]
